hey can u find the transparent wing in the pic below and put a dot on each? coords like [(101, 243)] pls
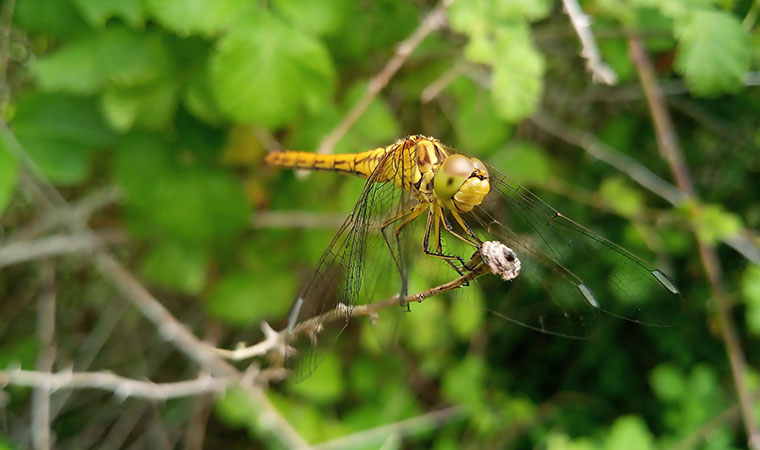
[(359, 266), (560, 289)]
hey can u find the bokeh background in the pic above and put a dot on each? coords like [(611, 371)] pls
[(148, 121)]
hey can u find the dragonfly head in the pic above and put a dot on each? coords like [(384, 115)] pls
[(461, 183)]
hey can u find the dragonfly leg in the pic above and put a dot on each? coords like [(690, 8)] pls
[(466, 228), (450, 229), (407, 217), (433, 219)]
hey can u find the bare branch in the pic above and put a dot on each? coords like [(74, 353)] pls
[(46, 336), (297, 219), (121, 387), (414, 425), (667, 140), (430, 23), (600, 72), (23, 251)]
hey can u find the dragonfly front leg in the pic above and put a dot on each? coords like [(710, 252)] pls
[(433, 217)]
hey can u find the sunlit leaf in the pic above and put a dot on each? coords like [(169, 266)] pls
[(205, 17), (629, 432), (316, 16), (176, 265), (245, 299), (97, 12), (325, 385)]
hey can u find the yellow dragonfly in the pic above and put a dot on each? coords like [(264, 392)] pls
[(467, 202)]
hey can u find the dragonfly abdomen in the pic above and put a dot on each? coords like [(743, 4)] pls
[(359, 164)]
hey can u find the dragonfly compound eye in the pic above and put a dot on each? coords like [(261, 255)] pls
[(451, 176)]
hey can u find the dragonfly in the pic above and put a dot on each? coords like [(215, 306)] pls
[(464, 202)]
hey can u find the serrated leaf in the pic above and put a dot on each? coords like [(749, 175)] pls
[(97, 12), (205, 17), (117, 55), (517, 78), (267, 72), (714, 52), (61, 133), (49, 17), (8, 175), (176, 265), (315, 16)]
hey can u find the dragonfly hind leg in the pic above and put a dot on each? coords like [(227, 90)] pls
[(407, 216)]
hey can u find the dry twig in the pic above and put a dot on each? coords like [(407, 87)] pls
[(600, 72)]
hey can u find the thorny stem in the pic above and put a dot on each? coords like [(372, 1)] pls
[(667, 140)]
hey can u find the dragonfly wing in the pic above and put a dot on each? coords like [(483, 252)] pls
[(359, 266), (559, 288)]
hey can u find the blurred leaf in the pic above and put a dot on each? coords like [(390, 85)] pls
[(479, 128), (197, 204), (667, 382), (244, 299), (236, 408), (629, 432), (528, 9), (713, 222), (97, 12), (751, 292), (466, 317), (524, 163), (53, 17), (315, 16), (425, 320), (325, 385), (615, 53), (623, 199), (199, 98), (463, 383), (205, 17), (267, 72), (310, 421), (517, 78), (151, 105), (713, 52), (61, 134), (177, 266), (116, 55), (22, 352), (8, 175)]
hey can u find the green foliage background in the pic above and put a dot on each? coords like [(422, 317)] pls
[(175, 102)]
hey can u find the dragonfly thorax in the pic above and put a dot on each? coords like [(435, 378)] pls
[(461, 183)]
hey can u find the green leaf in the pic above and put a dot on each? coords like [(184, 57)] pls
[(751, 292), (326, 385), (629, 432), (49, 17), (667, 382), (267, 72), (61, 133), (463, 384), (236, 408), (524, 162), (315, 16), (517, 78), (8, 175), (97, 12), (246, 298), (713, 223), (199, 98), (479, 128), (714, 52), (117, 55), (514, 9), (623, 199), (151, 105), (204, 17), (176, 265)]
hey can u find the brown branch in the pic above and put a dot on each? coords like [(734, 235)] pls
[(430, 23), (46, 335), (166, 324), (669, 146)]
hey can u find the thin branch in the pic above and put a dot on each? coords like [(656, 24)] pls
[(46, 335), (600, 72), (23, 251), (297, 219), (167, 325), (414, 425), (442, 82), (435, 19), (751, 17), (667, 140), (120, 386)]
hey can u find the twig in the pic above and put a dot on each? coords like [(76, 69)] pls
[(439, 84), (23, 251), (167, 325), (431, 22), (600, 72), (751, 17), (297, 219), (5, 40), (121, 387), (46, 335), (375, 436), (671, 151)]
